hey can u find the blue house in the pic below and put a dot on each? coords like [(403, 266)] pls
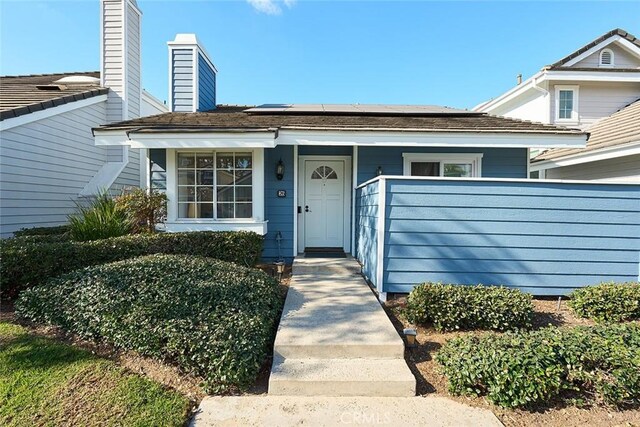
[(415, 193)]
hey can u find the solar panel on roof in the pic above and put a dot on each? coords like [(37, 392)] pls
[(355, 109)]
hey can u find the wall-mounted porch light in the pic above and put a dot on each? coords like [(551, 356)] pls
[(379, 171), (280, 170)]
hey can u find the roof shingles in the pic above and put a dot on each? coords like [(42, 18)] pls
[(20, 95), (237, 118)]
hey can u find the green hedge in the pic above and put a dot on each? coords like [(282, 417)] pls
[(455, 307), (607, 302), (522, 369), (211, 318), (42, 231), (28, 261)]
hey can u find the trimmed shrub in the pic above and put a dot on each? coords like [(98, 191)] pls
[(607, 302), (211, 318), (520, 369), (101, 219), (28, 261), (455, 307), (43, 231), (144, 208)]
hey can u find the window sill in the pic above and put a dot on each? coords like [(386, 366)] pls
[(183, 225)]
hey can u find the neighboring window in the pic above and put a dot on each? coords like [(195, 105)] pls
[(447, 165), (324, 172), (215, 185), (606, 58), (567, 103)]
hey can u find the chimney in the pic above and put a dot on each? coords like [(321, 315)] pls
[(519, 78), (120, 58), (192, 75)]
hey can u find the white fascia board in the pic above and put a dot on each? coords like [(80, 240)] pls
[(178, 226), (430, 139), (50, 112), (186, 140), (590, 156), (593, 76), (617, 38), (512, 93)]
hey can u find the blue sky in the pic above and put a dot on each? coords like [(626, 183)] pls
[(418, 52)]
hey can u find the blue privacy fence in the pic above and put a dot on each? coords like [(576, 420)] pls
[(544, 237)]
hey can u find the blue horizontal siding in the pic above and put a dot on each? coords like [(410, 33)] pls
[(496, 162), (206, 85), (542, 237), (367, 211), (278, 210), (324, 150)]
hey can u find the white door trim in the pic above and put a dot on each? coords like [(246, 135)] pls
[(299, 232)]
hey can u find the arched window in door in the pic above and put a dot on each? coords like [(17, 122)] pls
[(324, 172)]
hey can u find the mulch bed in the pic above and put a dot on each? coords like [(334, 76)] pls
[(557, 414)]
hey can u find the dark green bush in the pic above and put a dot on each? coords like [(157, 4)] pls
[(607, 302), (42, 231), (520, 369), (455, 307), (28, 261), (211, 318)]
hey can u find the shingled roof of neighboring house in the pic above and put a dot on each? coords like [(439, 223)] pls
[(620, 128), (421, 119), (21, 95), (616, 32)]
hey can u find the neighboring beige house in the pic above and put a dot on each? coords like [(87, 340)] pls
[(48, 159), (582, 90)]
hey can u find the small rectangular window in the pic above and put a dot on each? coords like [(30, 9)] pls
[(425, 168), (565, 104), (459, 170)]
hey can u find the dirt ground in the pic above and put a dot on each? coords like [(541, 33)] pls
[(429, 380)]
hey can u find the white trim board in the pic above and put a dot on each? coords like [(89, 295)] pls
[(590, 156), (298, 233), (49, 112), (382, 203)]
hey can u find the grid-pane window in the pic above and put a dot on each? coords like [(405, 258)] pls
[(215, 185), (565, 109)]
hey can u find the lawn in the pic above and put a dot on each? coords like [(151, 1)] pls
[(44, 382)]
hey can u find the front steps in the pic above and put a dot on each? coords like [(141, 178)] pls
[(335, 339)]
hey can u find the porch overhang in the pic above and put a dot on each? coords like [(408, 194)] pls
[(270, 138), (187, 139)]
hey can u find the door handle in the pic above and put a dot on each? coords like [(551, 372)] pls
[(306, 209)]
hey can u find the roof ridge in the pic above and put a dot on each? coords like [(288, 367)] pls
[(616, 31)]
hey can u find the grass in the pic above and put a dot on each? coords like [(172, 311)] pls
[(44, 382)]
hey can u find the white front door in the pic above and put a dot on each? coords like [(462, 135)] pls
[(323, 204)]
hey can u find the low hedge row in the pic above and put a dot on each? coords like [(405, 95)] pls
[(521, 369), (607, 302), (211, 318), (42, 231), (30, 260), (455, 307)]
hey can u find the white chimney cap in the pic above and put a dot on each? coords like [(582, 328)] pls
[(185, 39)]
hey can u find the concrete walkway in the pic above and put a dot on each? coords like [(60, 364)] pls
[(284, 411), (334, 338)]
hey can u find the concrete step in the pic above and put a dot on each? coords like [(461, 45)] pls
[(336, 267), (341, 377)]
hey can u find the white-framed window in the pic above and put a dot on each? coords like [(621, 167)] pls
[(215, 184), (567, 103), (606, 58), (460, 165)]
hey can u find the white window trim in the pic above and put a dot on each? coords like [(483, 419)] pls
[(575, 116), (174, 223), (474, 158), (613, 58)]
